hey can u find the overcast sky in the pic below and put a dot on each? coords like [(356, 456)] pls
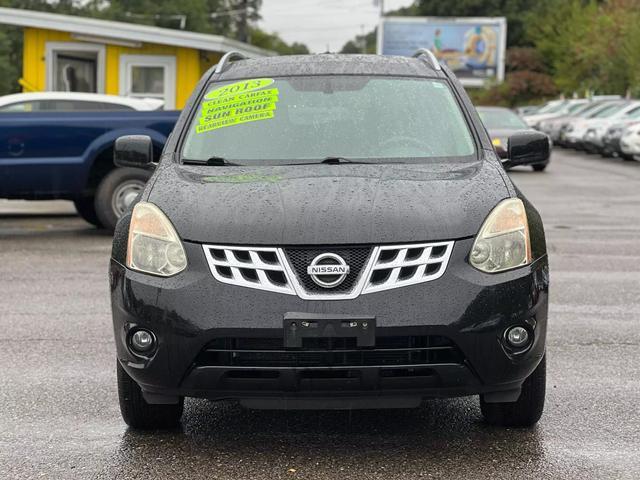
[(322, 24)]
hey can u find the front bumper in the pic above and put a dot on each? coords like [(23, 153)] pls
[(470, 310), (630, 146)]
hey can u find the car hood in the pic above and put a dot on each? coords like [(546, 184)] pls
[(532, 120), (328, 204)]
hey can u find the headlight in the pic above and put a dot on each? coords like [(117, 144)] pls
[(503, 241), (154, 246)]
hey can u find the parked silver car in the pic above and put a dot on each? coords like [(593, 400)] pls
[(575, 132), (553, 126), (594, 137), (553, 109)]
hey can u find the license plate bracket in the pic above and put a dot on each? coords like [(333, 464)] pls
[(297, 326)]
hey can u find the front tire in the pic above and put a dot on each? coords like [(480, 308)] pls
[(85, 206), (139, 414), (527, 410), (539, 168), (116, 192)]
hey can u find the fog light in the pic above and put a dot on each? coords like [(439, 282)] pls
[(517, 337), (142, 341)]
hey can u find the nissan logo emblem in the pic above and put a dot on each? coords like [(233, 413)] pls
[(328, 270)]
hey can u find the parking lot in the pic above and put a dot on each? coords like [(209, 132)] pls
[(60, 419)]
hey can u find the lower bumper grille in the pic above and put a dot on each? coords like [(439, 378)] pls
[(329, 352)]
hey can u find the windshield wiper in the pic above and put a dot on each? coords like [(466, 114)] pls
[(337, 160), (331, 161), (211, 162)]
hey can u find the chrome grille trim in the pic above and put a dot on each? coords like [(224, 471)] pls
[(399, 262), (398, 271), (255, 264)]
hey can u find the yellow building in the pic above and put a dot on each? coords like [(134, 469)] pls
[(71, 53)]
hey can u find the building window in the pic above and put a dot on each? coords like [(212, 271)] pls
[(149, 76), (75, 67)]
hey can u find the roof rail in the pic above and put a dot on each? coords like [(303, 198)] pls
[(432, 58), (227, 58)]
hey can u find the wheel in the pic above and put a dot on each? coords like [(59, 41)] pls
[(87, 210), (137, 413), (116, 192), (525, 411), (539, 168)]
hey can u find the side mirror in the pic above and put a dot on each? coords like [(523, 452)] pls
[(527, 148), (133, 151)]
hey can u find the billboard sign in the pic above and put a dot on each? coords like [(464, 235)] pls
[(474, 48)]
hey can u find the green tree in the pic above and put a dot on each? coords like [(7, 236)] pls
[(222, 17), (368, 41), (271, 41), (589, 45), (526, 81), (10, 59)]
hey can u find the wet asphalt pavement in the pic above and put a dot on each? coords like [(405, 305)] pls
[(59, 414)]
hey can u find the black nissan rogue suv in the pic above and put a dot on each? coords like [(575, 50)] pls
[(331, 232)]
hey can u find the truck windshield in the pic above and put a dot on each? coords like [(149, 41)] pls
[(275, 121)]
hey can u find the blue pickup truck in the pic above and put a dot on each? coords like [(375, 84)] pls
[(69, 155)]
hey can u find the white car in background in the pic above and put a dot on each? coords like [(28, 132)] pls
[(553, 126), (553, 109), (594, 137), (576, 131), (630, 141), (74, 102)]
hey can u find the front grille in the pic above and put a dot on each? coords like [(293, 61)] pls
[(246, 352), (371, 268), (301, 258), (397, 266), (253, 267)]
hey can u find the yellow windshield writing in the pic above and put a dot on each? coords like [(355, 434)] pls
[(238, 103)]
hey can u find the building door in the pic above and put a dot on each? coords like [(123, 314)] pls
[(75, 67), (149, 76)]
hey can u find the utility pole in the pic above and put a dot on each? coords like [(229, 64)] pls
[(243, 28)]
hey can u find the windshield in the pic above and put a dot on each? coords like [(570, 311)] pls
[(586, 109), (609, 111), (635, 113), (575, 107), (309, 118), (501, 118), (552, 107)]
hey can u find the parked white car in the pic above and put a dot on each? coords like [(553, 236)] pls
[(576, 131), (594, 137), (553, 126), (73, 102), (553, 109), (630, 141)]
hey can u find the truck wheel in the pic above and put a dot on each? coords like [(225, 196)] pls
[(87, 210), (539, 168), (525, 411), (137, 413), (116, 192)]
